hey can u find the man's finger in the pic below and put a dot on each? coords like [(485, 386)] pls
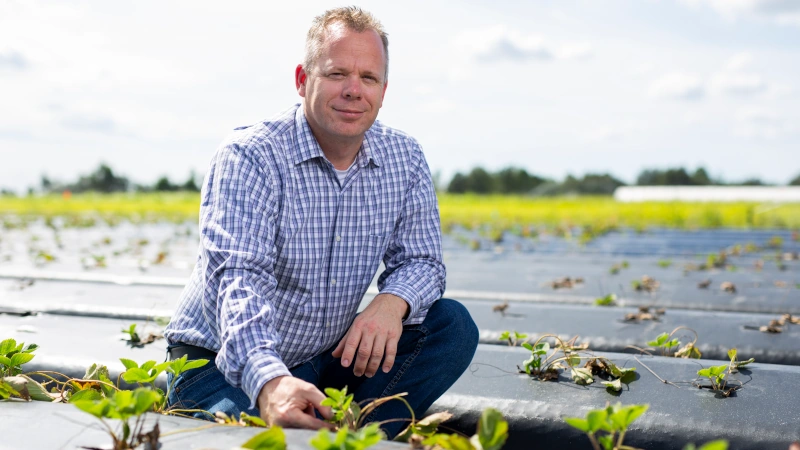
[(315, 399), (391, 352), (363, 354), (337, 352), (377, 355), (301, 420), (350, 346)]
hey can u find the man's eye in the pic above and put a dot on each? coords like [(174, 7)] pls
[(335, 75)]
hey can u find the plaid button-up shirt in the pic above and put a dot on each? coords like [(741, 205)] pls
[(287, 252)]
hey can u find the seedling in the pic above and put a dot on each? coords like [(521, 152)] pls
[(717, 375), (664, 263), (735, 364), (13, 356), (491, 435), (606, 427), (347, 439), (512, 338), (615, 269), (133, 337), (608, 300), (124, 405), (666, 342), (663, 342), (149, 371)]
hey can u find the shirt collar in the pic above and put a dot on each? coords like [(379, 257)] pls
[(308, 147)]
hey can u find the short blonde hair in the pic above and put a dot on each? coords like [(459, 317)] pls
[(352, 17)]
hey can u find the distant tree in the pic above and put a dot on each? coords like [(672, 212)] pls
[(191, 184), (164, 185), (795, 182), (458, 185), (701, 178), (479, 181), (669, 177), (7, 193), (752, 182), (598, 184), (516, 181), (101, 180), (46, 184)]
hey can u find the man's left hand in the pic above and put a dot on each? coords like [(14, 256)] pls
[(373, 336)]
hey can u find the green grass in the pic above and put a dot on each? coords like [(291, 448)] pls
[(491, 214)]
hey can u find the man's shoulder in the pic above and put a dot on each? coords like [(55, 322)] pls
[(394, 144), (269, 131)]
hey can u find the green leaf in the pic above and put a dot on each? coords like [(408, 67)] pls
[(704, 372), (492, 430), (137, 375), (85, 395), (504, 336), (607, 441), (596, 419), (6, 361), (99, 409), (194, 364), (625, 415), (20, 358), (148, 365), (720, 444), (129, 364), (7, 346), (542, 348), (144, 399), (732, 354), (272, 439), (579, 423), (659, 341), (6, 390), (30, 348)]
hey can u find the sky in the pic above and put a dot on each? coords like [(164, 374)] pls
[(555, 87)]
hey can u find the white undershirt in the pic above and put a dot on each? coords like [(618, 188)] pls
[(342, 174)]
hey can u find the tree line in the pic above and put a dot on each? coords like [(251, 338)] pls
[(514, 180), (103, 179)]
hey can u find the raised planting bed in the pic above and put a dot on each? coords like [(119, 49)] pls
[(68, 427), (604, 328), (763, 414), (88, 298)]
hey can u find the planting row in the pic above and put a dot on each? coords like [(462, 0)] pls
[(761, 410), (615, 329)]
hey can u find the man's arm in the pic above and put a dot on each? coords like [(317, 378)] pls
[(238, 217), (414, 278)]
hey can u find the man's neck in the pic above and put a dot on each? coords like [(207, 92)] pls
[(340, 154)]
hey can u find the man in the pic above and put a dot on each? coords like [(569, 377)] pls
[(296, 214)]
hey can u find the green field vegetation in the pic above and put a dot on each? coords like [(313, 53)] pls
[(493, 213)]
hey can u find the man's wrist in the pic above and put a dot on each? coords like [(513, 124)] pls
[(396, 304)]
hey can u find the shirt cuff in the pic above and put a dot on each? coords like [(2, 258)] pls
[(261, 367), (410, 295)]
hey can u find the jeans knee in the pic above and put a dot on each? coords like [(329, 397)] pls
[(461, 329)]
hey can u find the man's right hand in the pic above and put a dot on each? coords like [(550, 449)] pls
[(290, 402)]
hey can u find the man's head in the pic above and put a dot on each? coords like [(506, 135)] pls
[(343, 78), (352, 18)]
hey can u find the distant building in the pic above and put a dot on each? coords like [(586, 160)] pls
[(780, 194)]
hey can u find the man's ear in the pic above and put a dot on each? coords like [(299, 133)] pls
[(300, 78)]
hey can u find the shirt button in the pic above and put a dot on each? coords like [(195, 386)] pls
[(333, 281), (338, 238)]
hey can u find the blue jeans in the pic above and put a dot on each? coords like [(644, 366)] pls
[(431, 356)]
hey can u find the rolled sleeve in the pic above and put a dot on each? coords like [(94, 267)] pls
[(238, 215), (413, 260)]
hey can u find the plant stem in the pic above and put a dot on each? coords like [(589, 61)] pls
[(619, 441), (593, 440)]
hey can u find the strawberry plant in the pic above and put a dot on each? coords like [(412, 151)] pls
[(492, 434), (512, 339), (712, 445), (272, 439), (606, 427), (123, 406), (13, 356)]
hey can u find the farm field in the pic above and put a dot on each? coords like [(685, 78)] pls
[(81, 270)]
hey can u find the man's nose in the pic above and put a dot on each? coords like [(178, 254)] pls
[(352, 88)]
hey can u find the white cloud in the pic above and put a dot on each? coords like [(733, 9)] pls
[(739, 61), (678, 85), (502, 44)]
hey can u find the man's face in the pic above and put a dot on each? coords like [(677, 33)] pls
[(344, 89)]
